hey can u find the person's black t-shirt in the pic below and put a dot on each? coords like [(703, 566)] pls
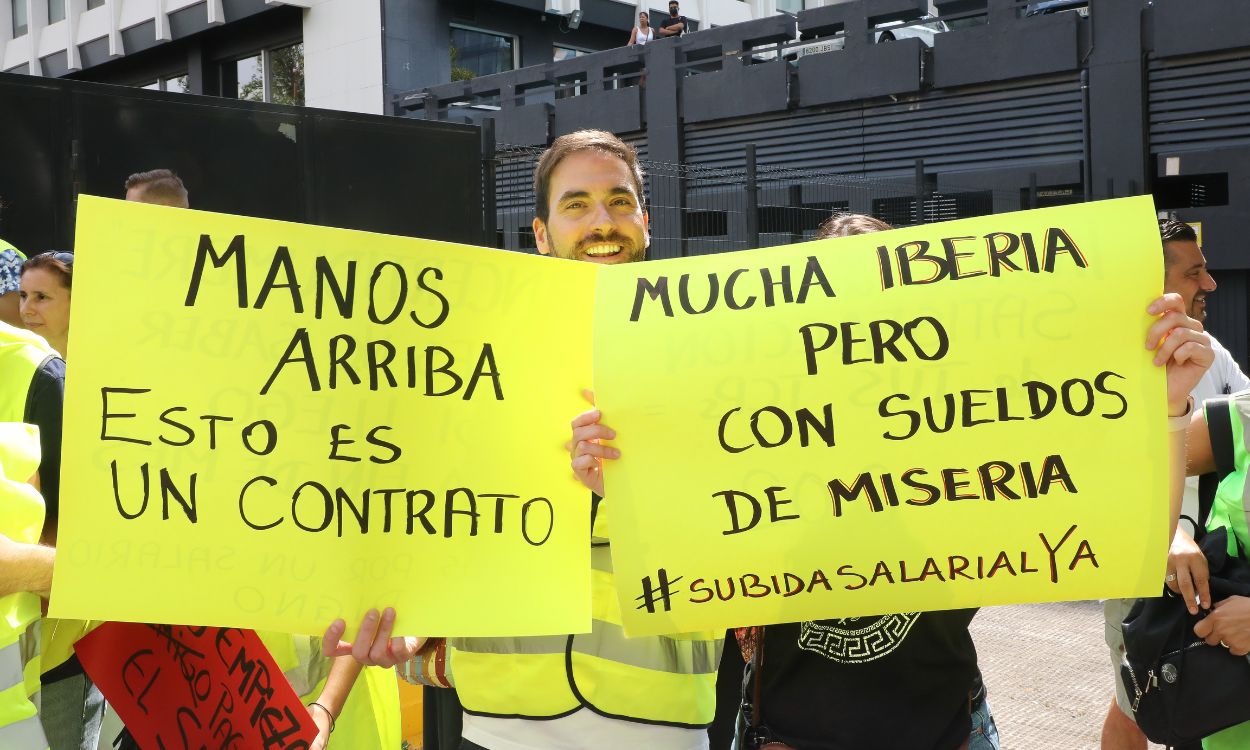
[(871, 683), (44, 407), (670, 21)]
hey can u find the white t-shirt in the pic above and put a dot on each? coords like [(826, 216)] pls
[(581, 729), (1223, 378)]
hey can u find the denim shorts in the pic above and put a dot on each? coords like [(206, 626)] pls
[(984, 735)]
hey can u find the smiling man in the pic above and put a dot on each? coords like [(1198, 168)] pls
[(599, 689), (1185, 273), (588, 200)]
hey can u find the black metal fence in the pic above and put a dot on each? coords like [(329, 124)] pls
[(697, 210)]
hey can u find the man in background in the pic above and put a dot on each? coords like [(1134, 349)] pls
[(159, 186), (675, 24)]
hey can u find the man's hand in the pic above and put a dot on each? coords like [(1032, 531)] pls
[(586, 450), (374, 645), (1187, 571), (1179, 343), (1228, 625)]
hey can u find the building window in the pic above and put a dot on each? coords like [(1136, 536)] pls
[(286, 75), (249, 76), (56, 11), (95, 4), (19, 17), (566, 53), (274, 75), (479, 53), (177, 84)]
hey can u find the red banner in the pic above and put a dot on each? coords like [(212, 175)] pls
[(179, 687)]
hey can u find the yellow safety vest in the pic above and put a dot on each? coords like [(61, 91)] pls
[(21, 353), (370, 717), (660, 680), (1230, 510), (21, 519)]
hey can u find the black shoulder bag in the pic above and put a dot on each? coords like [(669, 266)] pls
[(1182, 689)]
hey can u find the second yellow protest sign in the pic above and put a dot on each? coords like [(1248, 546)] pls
[(946, 416), (272, 425)]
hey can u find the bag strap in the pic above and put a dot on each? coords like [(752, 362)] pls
[(1220, 426), (1220, 430), (757, 669)]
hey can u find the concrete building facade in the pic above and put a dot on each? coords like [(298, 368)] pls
[(351, 55)]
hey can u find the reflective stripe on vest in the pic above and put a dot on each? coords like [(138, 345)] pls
[(19, 719), (659, 679)]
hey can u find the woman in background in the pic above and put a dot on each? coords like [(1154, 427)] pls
[(47, 280), (643, 32)]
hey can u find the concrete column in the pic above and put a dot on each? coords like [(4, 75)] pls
[(664, 144), (1117, 100), (343, 55), (416, 38)]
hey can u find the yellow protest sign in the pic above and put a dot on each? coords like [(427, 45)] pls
[(271, 425), (951, 415)]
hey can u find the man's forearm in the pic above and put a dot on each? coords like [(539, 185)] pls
[(25, 567), (1176, 464)]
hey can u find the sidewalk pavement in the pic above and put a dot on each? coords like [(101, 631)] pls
[(1048, 673)]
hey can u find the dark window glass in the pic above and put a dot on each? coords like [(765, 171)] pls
[(479, 53), (286, 75), (249, 75), (19, 17), (56, 10)]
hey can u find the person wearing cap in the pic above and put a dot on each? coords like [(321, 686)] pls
[(11, 260)]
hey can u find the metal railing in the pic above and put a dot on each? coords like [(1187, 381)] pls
[(698, 210)]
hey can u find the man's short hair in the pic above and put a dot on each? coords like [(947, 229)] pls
[(845, 225), (160, 185), (581, 140), (1174, 230)]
